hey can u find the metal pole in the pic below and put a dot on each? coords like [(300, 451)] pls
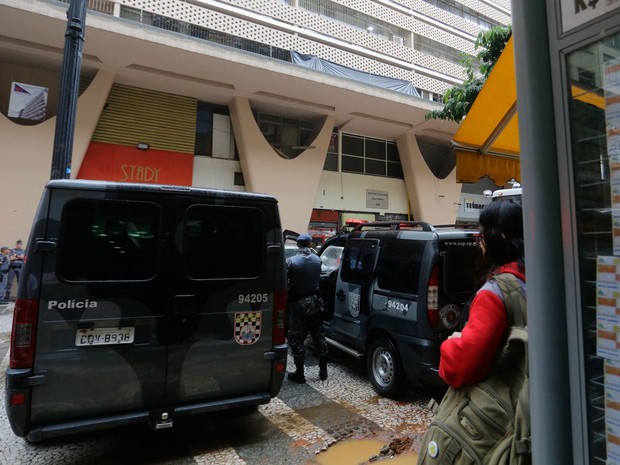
[(550, 380), (69, 86)]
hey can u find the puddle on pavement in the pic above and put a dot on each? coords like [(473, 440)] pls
[(360, 451)]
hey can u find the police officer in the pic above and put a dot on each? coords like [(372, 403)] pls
[(305, 307), (5, 263)]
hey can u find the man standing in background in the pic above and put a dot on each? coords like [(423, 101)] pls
[(17, 256), (5, 263)]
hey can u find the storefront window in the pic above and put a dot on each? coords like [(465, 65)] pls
[(594, 79)]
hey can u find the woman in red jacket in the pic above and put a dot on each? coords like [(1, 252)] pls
[(466, 356)]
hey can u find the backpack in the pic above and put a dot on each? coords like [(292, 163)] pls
[(488, 423)]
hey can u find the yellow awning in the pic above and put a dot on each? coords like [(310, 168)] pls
[(487, 142)]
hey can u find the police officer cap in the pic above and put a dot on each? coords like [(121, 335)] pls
[(304, 238)]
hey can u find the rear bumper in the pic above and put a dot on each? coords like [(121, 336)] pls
[(19, 415), (420, 358)]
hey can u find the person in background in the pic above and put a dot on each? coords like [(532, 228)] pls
[(5, 263), (305, 307), (466, 356), (17, 257)]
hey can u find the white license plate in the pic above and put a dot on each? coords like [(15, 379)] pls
[(104, 336)]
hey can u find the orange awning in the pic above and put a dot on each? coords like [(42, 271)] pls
[(487, 142)]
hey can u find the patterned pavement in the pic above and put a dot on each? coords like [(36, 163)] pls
[(301, 422)]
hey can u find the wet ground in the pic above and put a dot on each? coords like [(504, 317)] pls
[(339, 421)]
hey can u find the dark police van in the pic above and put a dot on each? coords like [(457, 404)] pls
[(143, 303), (398, 293)]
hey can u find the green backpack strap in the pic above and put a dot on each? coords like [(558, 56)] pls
[(514, 299)]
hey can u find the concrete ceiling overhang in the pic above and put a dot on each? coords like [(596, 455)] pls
[(33, 33)]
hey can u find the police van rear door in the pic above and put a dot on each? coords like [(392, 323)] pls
[(224, 282), (103, 300)]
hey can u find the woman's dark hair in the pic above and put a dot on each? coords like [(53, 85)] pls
[(501, 223)]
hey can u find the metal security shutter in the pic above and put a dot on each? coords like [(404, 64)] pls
[(132, 115)]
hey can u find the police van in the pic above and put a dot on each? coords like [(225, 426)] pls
[(397, 295), (145, 303)]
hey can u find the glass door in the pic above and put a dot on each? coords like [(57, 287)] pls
[(594, 112)]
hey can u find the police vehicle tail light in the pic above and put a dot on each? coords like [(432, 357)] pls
[(432, 301), (279, 318), (24, 333)]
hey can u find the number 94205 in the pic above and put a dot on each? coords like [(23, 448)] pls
[(253, 298)]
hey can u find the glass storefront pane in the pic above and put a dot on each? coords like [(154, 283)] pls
[(594, 111)]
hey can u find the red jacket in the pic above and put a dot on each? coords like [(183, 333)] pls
[(466, 360)]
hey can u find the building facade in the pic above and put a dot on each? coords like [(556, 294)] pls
[(320, 103)]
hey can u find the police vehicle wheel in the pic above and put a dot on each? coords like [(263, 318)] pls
[(384, 368)]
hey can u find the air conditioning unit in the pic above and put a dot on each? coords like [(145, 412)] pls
[(399, 40)]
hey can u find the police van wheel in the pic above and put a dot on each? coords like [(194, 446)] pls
[(384, 368)]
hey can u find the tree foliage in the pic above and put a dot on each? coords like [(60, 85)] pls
[(459, 98)]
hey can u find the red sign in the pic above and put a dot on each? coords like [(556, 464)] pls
[(111, 162)]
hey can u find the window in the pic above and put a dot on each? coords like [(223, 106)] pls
[(355, 18), (437, 49), (375, 157), (399, 265), (331, 160), (288, 136), (359, 260), (104, 240), (213, 133), (459, 261), (224, 242)]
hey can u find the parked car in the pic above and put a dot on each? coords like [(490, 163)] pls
[(397, 294), (141, 304)]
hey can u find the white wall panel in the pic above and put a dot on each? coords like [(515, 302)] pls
[(347, 191), (215, 173)]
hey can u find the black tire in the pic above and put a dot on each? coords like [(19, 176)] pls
[(384, 367)]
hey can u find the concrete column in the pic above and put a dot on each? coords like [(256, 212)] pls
[(432, 200), (293, 182)]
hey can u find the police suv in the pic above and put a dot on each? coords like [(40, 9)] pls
[(398, 293), (144, 303)]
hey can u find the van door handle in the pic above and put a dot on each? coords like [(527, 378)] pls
[(340, 294)]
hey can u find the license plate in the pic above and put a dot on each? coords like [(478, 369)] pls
[(104, 336)]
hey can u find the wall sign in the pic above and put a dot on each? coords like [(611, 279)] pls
[(578, 12), (377, 199)]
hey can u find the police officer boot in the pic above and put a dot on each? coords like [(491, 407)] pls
[(298, 376), (323, 368)]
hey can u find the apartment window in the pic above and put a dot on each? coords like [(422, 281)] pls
[(356, 19), (437, 49), (375, 157), (464, 12)]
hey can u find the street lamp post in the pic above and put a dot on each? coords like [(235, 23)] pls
[(69, 86)]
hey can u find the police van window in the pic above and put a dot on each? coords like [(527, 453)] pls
[(399, 265), (460, 266), (224, 242), (359, 260), (105, 240)]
